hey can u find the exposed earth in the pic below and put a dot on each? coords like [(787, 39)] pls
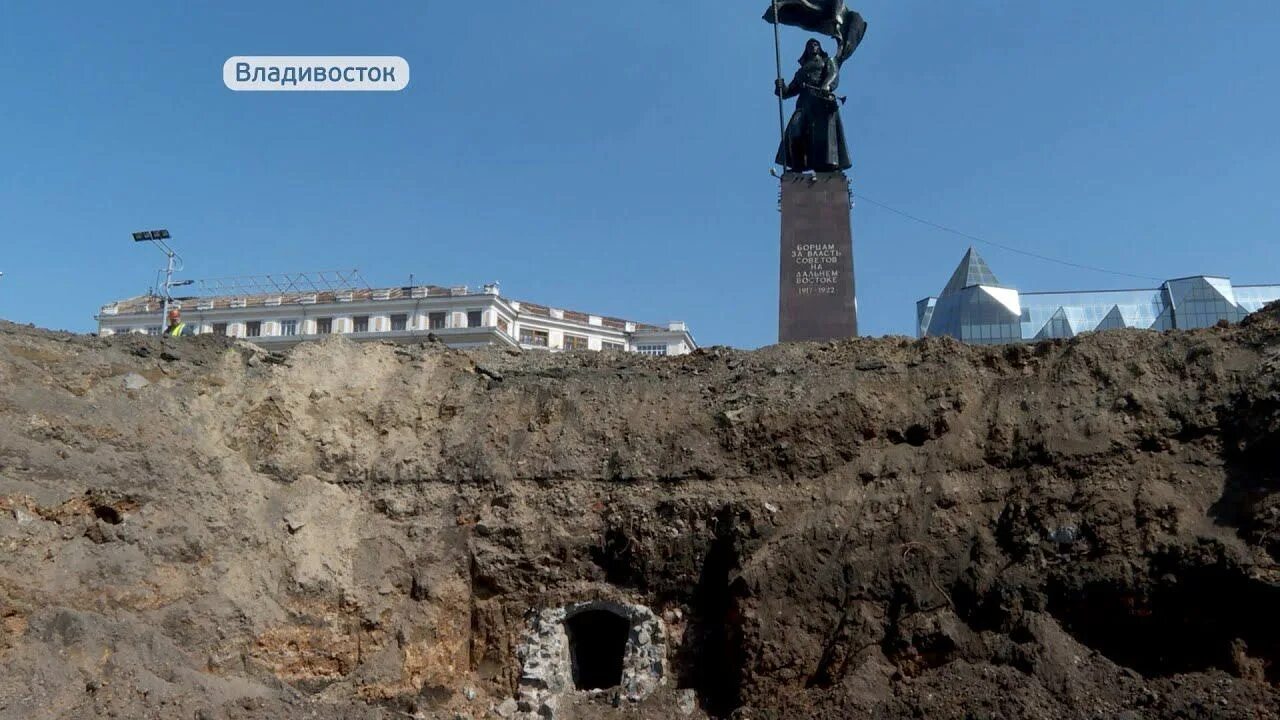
[(877, 528)]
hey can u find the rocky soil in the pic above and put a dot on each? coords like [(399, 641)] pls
[(879, 528)]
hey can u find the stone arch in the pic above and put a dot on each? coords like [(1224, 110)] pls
[(591, 646), (597, 647)]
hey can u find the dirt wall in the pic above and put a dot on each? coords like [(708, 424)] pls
[(881, 528)]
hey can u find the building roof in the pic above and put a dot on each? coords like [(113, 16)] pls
[(973, 270), (1180, 303), (152, 303), (529, 308)]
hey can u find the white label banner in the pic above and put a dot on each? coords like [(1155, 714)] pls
[(316, 73)]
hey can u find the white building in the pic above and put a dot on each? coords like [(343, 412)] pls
[(458, 316)]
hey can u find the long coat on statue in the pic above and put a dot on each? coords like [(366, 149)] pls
[(814, 139)]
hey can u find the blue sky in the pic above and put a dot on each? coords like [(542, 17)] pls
[(614, 157)]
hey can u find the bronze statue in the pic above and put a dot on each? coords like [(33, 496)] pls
[(814, 138)]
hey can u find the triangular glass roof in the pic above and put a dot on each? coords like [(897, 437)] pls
[(1114, 320), (1007, 297), (1223, 286), (972, 271), (1058, 326)]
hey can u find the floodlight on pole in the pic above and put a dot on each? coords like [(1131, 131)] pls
[(145, 235), (158, 237)]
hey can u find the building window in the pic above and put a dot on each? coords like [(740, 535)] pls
[(607, 346), (437, 320), (475, 318), (504, 326), (399, 323), (253, 328), (536, 338), (575, 342), (288, 327), (324, 326), (360, 324), (220, 329), (658, 350)]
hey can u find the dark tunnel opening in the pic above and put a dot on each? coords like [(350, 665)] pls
[(1184, 619), (597, 643), (716, 626)]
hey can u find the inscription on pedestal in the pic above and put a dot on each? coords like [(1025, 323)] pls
[(816, 288)]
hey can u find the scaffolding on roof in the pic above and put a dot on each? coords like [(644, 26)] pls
[(324, 281)]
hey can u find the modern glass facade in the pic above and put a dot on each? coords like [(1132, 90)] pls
[(976, 308)]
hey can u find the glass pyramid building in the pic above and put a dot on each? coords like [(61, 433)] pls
[(976, 308)]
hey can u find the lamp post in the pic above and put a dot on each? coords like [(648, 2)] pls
[(158, 237)]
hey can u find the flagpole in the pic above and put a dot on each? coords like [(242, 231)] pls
[(777, 56)]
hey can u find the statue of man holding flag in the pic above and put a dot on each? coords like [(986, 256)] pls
[(814, 138)]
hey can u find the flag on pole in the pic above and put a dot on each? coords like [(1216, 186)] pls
[(828, 17)]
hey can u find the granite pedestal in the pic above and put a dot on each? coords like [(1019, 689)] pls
[(816, 286)]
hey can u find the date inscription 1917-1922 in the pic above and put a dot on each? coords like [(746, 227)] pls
[(818, 268)]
